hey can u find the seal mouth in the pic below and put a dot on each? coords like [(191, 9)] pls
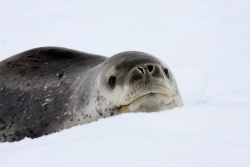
[(151, 102)]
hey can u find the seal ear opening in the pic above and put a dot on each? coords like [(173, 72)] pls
[(112, 81)]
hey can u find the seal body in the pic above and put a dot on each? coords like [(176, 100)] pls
[(45, 90)]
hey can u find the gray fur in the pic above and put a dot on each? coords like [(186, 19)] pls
[(34, 90)]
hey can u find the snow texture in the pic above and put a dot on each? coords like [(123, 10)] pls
[(206, 43)]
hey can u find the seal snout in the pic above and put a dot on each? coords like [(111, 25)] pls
[(146, 73), (151, 87), (146, 68)]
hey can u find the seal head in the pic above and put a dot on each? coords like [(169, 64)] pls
[(133, 82)]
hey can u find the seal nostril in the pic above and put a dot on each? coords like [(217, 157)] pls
[(141, 69), (166, 72), (150, 68)]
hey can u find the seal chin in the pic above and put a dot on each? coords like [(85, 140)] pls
[(152, 102)]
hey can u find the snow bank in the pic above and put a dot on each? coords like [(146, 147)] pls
[(198, 135)]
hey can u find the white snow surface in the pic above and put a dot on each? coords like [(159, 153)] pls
[(206, 43)]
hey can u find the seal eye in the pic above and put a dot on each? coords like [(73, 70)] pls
[(112, 80), (166, 72)]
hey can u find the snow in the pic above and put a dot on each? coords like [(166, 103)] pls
[(206, 43)]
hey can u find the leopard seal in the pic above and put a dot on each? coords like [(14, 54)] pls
[(47, 89)]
